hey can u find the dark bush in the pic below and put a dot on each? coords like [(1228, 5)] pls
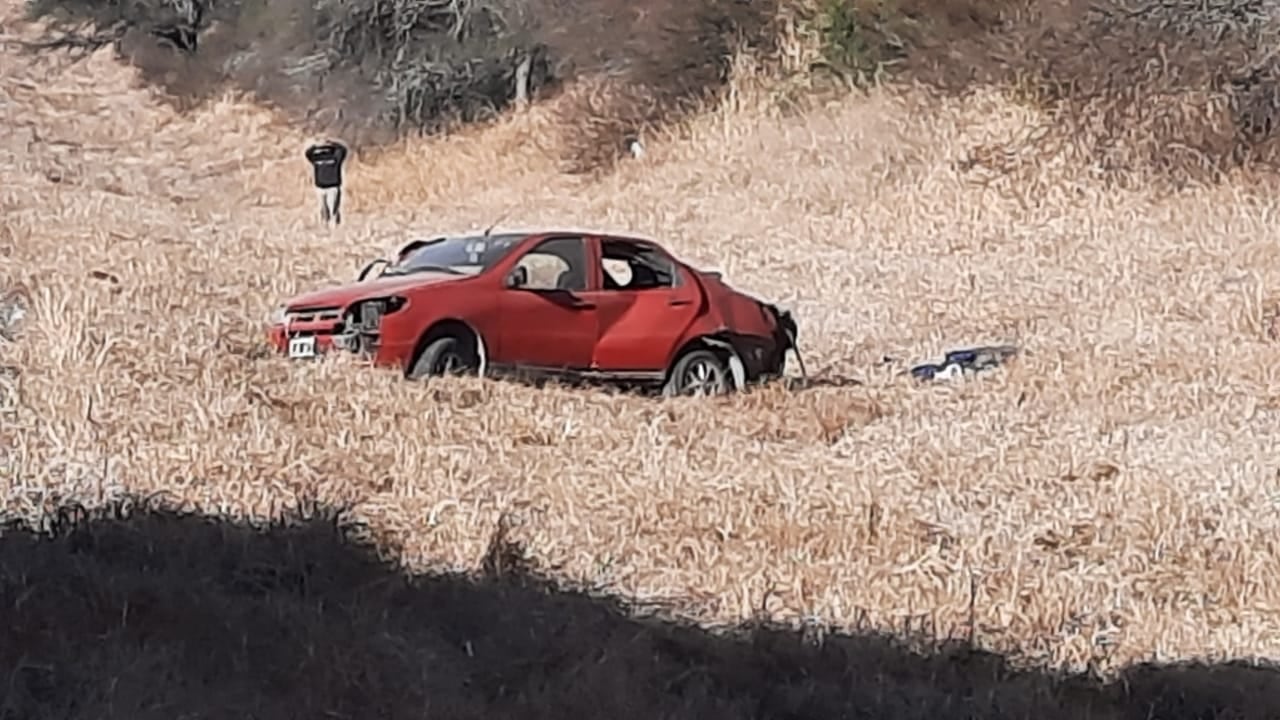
[(378, 69), (1182, 88), (386, 66)]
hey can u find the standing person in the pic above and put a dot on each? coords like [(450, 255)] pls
[(326, 159)]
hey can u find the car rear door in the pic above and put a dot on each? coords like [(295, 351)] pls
[(550, 322), (642, 317)]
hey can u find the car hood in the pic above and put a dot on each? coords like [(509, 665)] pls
[(343, 295)]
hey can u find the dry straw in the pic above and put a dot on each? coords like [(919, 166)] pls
[(1110, 496)]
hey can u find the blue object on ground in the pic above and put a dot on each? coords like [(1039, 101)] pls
[(971, 360)]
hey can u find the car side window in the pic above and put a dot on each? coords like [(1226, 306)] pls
[(636, 266), (556, 264)]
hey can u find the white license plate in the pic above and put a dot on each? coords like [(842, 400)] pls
[(302, 347)]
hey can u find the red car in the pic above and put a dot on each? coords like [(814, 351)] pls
[(568, 304)]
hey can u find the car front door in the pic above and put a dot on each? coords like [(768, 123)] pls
[(644, 305), (546, 320)]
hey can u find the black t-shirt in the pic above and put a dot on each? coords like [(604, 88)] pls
[(326, 159)]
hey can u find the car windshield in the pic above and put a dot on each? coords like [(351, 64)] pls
[(461, 255)]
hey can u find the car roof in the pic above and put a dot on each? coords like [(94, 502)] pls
[(538, 231)]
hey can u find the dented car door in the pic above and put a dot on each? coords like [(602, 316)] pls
[(642, 315)]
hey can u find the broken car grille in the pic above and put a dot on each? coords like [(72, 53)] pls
[(315, 315)]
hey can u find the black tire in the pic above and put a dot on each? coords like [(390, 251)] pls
[(446, 355), (699, 373)]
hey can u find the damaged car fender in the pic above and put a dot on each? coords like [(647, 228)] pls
[(753, 335), (736, 367)]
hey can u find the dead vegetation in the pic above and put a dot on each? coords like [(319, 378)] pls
[(1109, 498), (371, 70), (376, 71), (1156, 95), (1171, 92)]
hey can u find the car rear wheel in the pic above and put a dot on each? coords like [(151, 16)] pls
[(699, 373), (444, 356)]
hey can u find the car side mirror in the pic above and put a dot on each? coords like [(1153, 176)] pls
[(518, 277)]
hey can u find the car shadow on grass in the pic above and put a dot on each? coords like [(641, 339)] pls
[(820, 381), (654, 391), (157, 614)]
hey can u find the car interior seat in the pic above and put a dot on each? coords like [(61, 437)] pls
[(643, 276), (610, 283), (570, 279)]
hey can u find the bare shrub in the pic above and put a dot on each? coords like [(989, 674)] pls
[(373, 68), (650, 69), (1136, 94), (379, 69), (1173, 92), (600, 114)]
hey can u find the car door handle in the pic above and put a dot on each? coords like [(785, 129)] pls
[(679, 301)]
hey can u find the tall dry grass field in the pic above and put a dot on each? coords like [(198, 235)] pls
[(1111, 496)]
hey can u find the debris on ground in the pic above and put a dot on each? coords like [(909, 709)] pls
[(821, 380), (966, 362), (13, 309)]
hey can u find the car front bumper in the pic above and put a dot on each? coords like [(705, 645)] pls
[(298, 342), (302, 343)]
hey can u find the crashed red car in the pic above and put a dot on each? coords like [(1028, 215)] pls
[(568, 304)]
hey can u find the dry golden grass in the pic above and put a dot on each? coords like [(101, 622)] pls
[(1110, 496)]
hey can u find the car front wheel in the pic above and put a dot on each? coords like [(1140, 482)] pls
[(699, 373), (444, 356)]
